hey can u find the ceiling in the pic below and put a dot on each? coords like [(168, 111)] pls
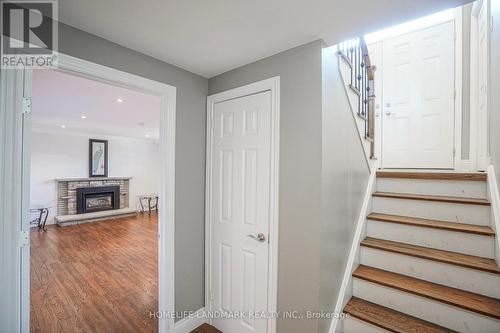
[(60, 100), (211, 37)]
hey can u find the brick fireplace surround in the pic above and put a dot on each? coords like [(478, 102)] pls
[(67, 200)]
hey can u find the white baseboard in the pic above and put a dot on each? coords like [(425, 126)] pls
[(494, 197), (188, 324), (354, 251)]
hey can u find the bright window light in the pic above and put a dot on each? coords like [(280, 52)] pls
[(409, 26)]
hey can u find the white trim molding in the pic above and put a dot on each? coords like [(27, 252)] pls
[(479, 129), (345, 291), (494, 196), (459, 163), (13, 277), (272, 85), (166, 224)]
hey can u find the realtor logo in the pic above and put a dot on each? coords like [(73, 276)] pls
[(29, 33)]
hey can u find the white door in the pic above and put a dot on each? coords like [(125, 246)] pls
[(418, 117), (240, 210)]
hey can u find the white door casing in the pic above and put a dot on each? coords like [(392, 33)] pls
[(15, 125), (242, 206), (483, 36), (13, 253), (418, 85), (26, 188)]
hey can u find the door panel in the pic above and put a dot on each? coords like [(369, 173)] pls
[(418, 85), (240, 207)]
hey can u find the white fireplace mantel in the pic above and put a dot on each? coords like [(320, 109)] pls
[(90, 179)]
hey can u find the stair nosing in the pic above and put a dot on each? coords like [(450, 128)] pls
[(426, 223), (429, 295), (433, 198), (459, 176), (366, 243), (379, 323)]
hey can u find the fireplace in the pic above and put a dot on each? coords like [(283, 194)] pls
[(96, 199)]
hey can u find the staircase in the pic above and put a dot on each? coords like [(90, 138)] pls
[(427, 261)]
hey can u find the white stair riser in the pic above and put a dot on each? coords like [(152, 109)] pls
[(461, 242), (353, 325), (435, 312), (454, 188), (472, 280), (451, 212)]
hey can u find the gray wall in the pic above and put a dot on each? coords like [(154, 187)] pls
[(300, 173), (322, 178), (494, 121), (190, 151), (345, 176)]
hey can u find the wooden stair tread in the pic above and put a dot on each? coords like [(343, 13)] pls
[(472, 176), (388, 319), (463, 299), (443, 225), (448, 257), (437, 198)]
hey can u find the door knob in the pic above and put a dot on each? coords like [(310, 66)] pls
[(260, 237), (388, 113)]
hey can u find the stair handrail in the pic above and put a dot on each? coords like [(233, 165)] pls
[(355, 53)]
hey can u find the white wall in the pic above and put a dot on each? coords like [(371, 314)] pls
[(63, 155), (494, 109)]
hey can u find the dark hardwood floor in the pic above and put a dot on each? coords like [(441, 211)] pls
[(205, 328), (95, 277)]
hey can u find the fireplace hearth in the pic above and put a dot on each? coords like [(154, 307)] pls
[(96, 199)]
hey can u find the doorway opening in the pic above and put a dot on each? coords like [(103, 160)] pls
[(95, 170), (424, 96), (19, 126)]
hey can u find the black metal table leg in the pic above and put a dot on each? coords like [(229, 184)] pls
[(39, 220), (142, 206), (41, 225)]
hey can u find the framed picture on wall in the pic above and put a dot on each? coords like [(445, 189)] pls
[(98, 158)]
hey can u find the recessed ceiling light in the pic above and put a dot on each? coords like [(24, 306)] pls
[(119, 100), (83, 117), (147, 135), (63, 126)]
